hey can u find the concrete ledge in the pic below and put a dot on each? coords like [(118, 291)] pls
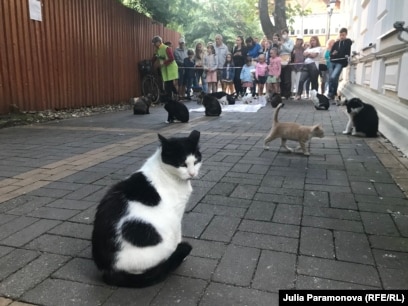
[(393, 114)]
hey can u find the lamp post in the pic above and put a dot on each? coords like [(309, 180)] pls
[(330, 7)]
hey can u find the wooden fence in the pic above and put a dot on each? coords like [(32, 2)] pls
[(82, 53)]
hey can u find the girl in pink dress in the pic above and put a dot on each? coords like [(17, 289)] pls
[(274, 71), (261, 73)]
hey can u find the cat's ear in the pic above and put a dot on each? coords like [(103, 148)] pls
[(162, 139), (318, 127), (194, 136)]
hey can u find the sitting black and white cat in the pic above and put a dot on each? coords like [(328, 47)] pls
[(222, 96), (141, 105), (136, 239), (274, 98), (211, 105), (363, 119), (176, 111), (321, 102)]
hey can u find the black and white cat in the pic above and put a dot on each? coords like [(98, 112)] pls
[(363, 119), (211, 105), (136, 239), (176, 111), (141, 105), (321, 102), (223, 97)]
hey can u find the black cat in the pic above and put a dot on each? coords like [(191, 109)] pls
[(274, 98), (211, 104), (176, 111), (363, 118)]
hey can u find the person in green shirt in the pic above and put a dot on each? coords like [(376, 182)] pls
[(168, 66)]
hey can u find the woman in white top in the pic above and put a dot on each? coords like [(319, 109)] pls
[(311, 66)]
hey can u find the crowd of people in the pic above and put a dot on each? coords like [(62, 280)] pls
[(281, 65)]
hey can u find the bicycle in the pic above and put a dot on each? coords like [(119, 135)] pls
[(150, 84)]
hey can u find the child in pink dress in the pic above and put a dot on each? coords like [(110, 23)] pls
[(274, 71), (261, 73)]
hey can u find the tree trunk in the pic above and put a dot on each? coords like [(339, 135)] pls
[(279, 16)]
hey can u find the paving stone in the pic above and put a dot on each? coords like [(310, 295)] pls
[(181, 291), (268, 242), (326, 212), (6, 218), (379, 224), (221, 229), (391, 259), (194, 224), (222, 294), (16, 225), (53, 213), (58, 245), (80, 270), (71, 204), (317, 242), (402, 222), (61, 292), (353, 247), (316, 199), (398, 244), (260, 211), (275, 271), (197, 267), (277, 198), (342, 200), (244, 192), (5, 250), (289, 214), (207, 249), (339, 271), (237, 266), (223, 189), (15, 260), (71, 229), (31, 275), (277, 229), (330, 223), (130, 296), (394, 279), (30, 232), (315, 283), (220, 210), (220, 200), (87, 216)]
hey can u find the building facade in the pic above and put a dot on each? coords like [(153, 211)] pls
[(378, 70)]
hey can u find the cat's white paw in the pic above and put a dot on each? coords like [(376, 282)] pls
[(346, 133), (306, 153), (266, 147)]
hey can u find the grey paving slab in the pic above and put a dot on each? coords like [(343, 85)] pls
[(258, 221)]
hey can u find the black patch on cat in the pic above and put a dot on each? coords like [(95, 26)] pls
[(176, 111), (211, 104), (140, 234), (175, 150), (138, 188), (366, 120)]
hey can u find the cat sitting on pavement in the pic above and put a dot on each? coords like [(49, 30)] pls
[(141, 105), (136, 238), (292, 131), (363, 119), (321, 102), (176, 111)]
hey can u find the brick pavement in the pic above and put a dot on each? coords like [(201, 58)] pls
[(259, 221)]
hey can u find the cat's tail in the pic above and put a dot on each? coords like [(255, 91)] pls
[(153, 275), (275, 115)]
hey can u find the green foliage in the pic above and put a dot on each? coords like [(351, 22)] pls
[(295, 11), (201, 20)]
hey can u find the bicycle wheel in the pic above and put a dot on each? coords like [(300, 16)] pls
[(150, 86)]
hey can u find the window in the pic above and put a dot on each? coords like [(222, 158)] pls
[(305, 31)]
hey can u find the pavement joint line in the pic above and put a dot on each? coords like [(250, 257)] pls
[(23, 183)]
